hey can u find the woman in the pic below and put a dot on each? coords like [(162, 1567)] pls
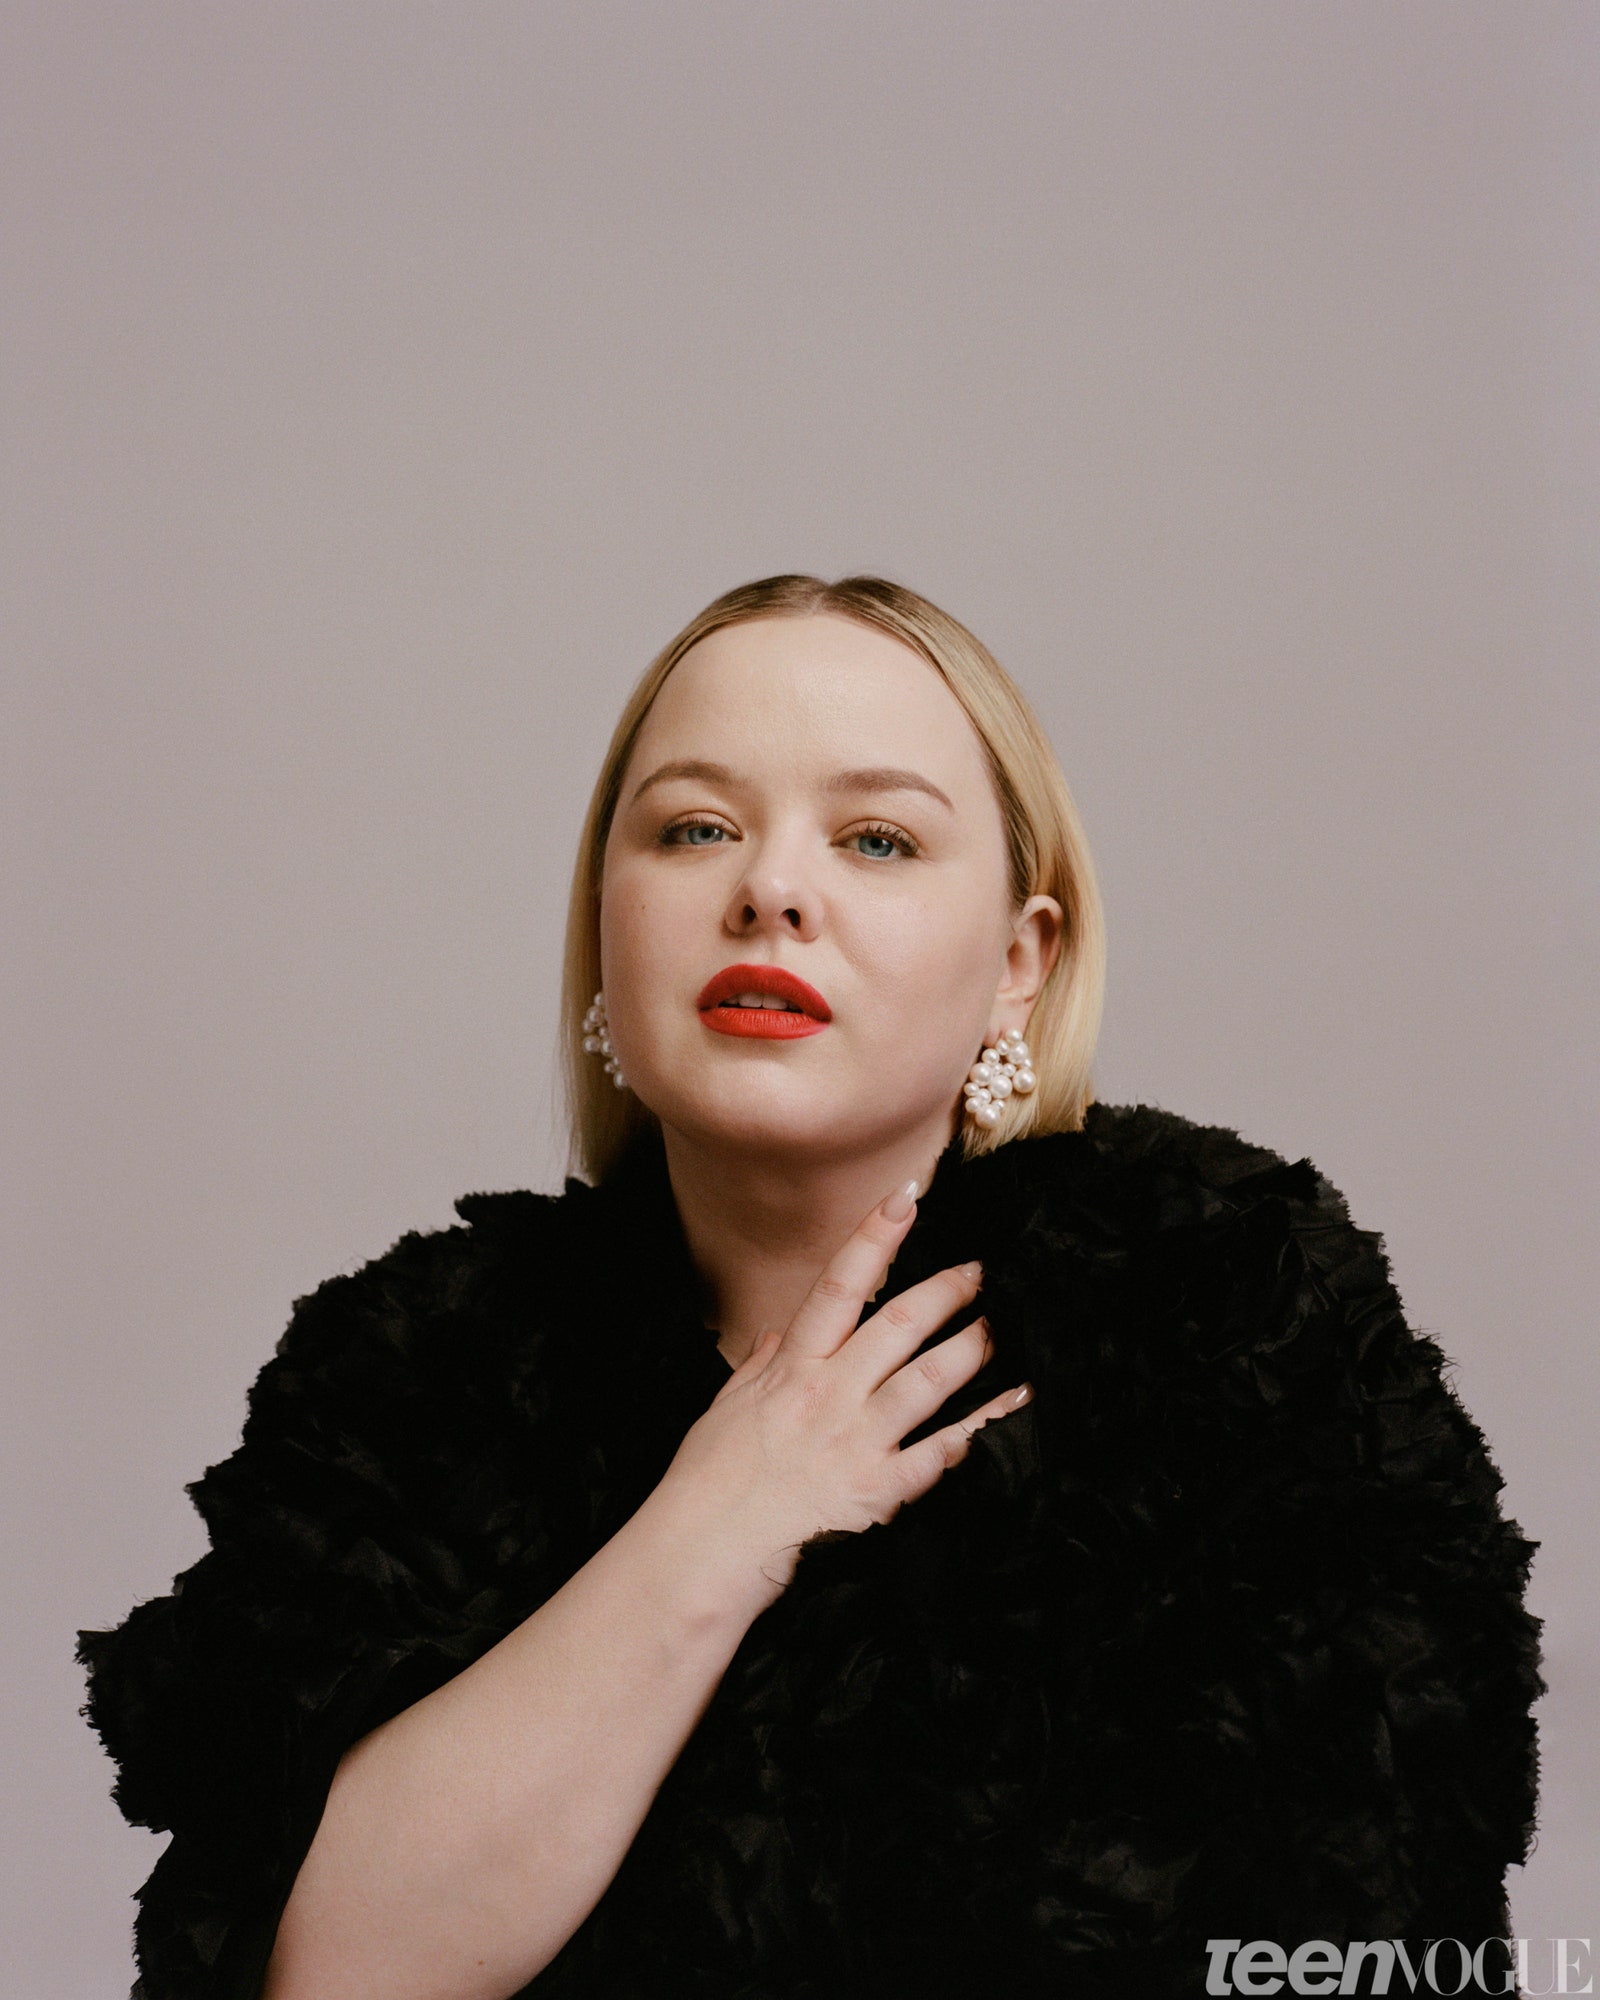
[(668, 1587)]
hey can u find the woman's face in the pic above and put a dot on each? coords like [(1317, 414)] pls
[(807, 794)]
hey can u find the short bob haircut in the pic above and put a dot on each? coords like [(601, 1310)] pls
[(1049, 855)]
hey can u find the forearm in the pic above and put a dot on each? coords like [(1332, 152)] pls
[(464, 1841)]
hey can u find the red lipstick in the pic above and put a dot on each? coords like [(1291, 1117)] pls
[(719, 1008)]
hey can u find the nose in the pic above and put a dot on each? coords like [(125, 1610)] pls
[(775, 894)]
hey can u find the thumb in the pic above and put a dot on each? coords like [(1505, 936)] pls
[(753, 1363)]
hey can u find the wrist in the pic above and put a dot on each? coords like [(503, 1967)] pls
[(716, 1578)]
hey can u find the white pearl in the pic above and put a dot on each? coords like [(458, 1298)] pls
[(619, 1080), (1000, 1089), (980, 1073), (987, 1115), (1023, 1082), (591, 1045)]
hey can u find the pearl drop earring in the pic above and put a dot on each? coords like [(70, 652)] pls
[(999, 1073), (597, 1039)]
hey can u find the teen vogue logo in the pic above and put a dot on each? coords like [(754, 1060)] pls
[(1522, 1966)]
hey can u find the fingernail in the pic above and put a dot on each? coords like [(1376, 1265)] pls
[(972, 1272), (1022, 1396), (897, 1206)]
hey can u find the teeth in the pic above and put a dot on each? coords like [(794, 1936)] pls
[(761, 1000)]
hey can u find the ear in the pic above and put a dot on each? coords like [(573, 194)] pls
[(1036, 939)]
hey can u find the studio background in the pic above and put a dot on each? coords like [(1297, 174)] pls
[(386, 382)]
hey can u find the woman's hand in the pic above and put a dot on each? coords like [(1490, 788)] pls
[(805, 1435)]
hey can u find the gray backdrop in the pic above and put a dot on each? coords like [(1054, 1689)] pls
[(387, 382)]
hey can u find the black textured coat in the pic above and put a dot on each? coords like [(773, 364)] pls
[(1223, 1634)]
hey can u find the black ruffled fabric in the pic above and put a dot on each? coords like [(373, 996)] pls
[(1222, 1635)]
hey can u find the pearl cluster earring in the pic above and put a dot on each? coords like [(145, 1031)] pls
[(999, 1072), (597, 1039)]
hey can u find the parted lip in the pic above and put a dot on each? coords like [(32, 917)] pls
[(733, 980)]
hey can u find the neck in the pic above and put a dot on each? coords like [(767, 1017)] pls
[(761, 1226)]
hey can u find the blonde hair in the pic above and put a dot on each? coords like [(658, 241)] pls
[(1048, 855)]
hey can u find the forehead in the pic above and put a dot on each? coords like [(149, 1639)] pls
[(782, 690)]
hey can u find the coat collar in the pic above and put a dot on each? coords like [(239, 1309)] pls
[(977, 1207)]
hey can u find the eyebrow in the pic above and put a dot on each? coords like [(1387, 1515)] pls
[(886, 778), (872, 778), (684, 767)]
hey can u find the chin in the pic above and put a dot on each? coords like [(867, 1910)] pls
[(798, 1122)]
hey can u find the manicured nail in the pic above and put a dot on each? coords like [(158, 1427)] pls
[(1022, 1396), (897, 1206), (971, 1272)]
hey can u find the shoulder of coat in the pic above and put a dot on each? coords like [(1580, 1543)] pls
[(1171, 1146), (517, 1211), (430, 1281), (1146, 1173)]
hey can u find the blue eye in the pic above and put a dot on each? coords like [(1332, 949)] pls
[(891, 841), (669, 835)]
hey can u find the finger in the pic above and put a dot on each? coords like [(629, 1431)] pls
[(911, 1392), (925, 1463), (886, 1340), (829, 1311)]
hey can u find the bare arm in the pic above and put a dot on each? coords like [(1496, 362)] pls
[(465, 1840)]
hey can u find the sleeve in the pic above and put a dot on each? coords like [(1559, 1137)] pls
[(1311, 1717), (1393, 1663), (329, 1599)]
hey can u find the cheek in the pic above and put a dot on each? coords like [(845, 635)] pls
[(652, 954), (638, 921), (949, 934), (936, 969)]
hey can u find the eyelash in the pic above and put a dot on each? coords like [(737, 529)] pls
[(907, 846), (903, 840), (679, 825)]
